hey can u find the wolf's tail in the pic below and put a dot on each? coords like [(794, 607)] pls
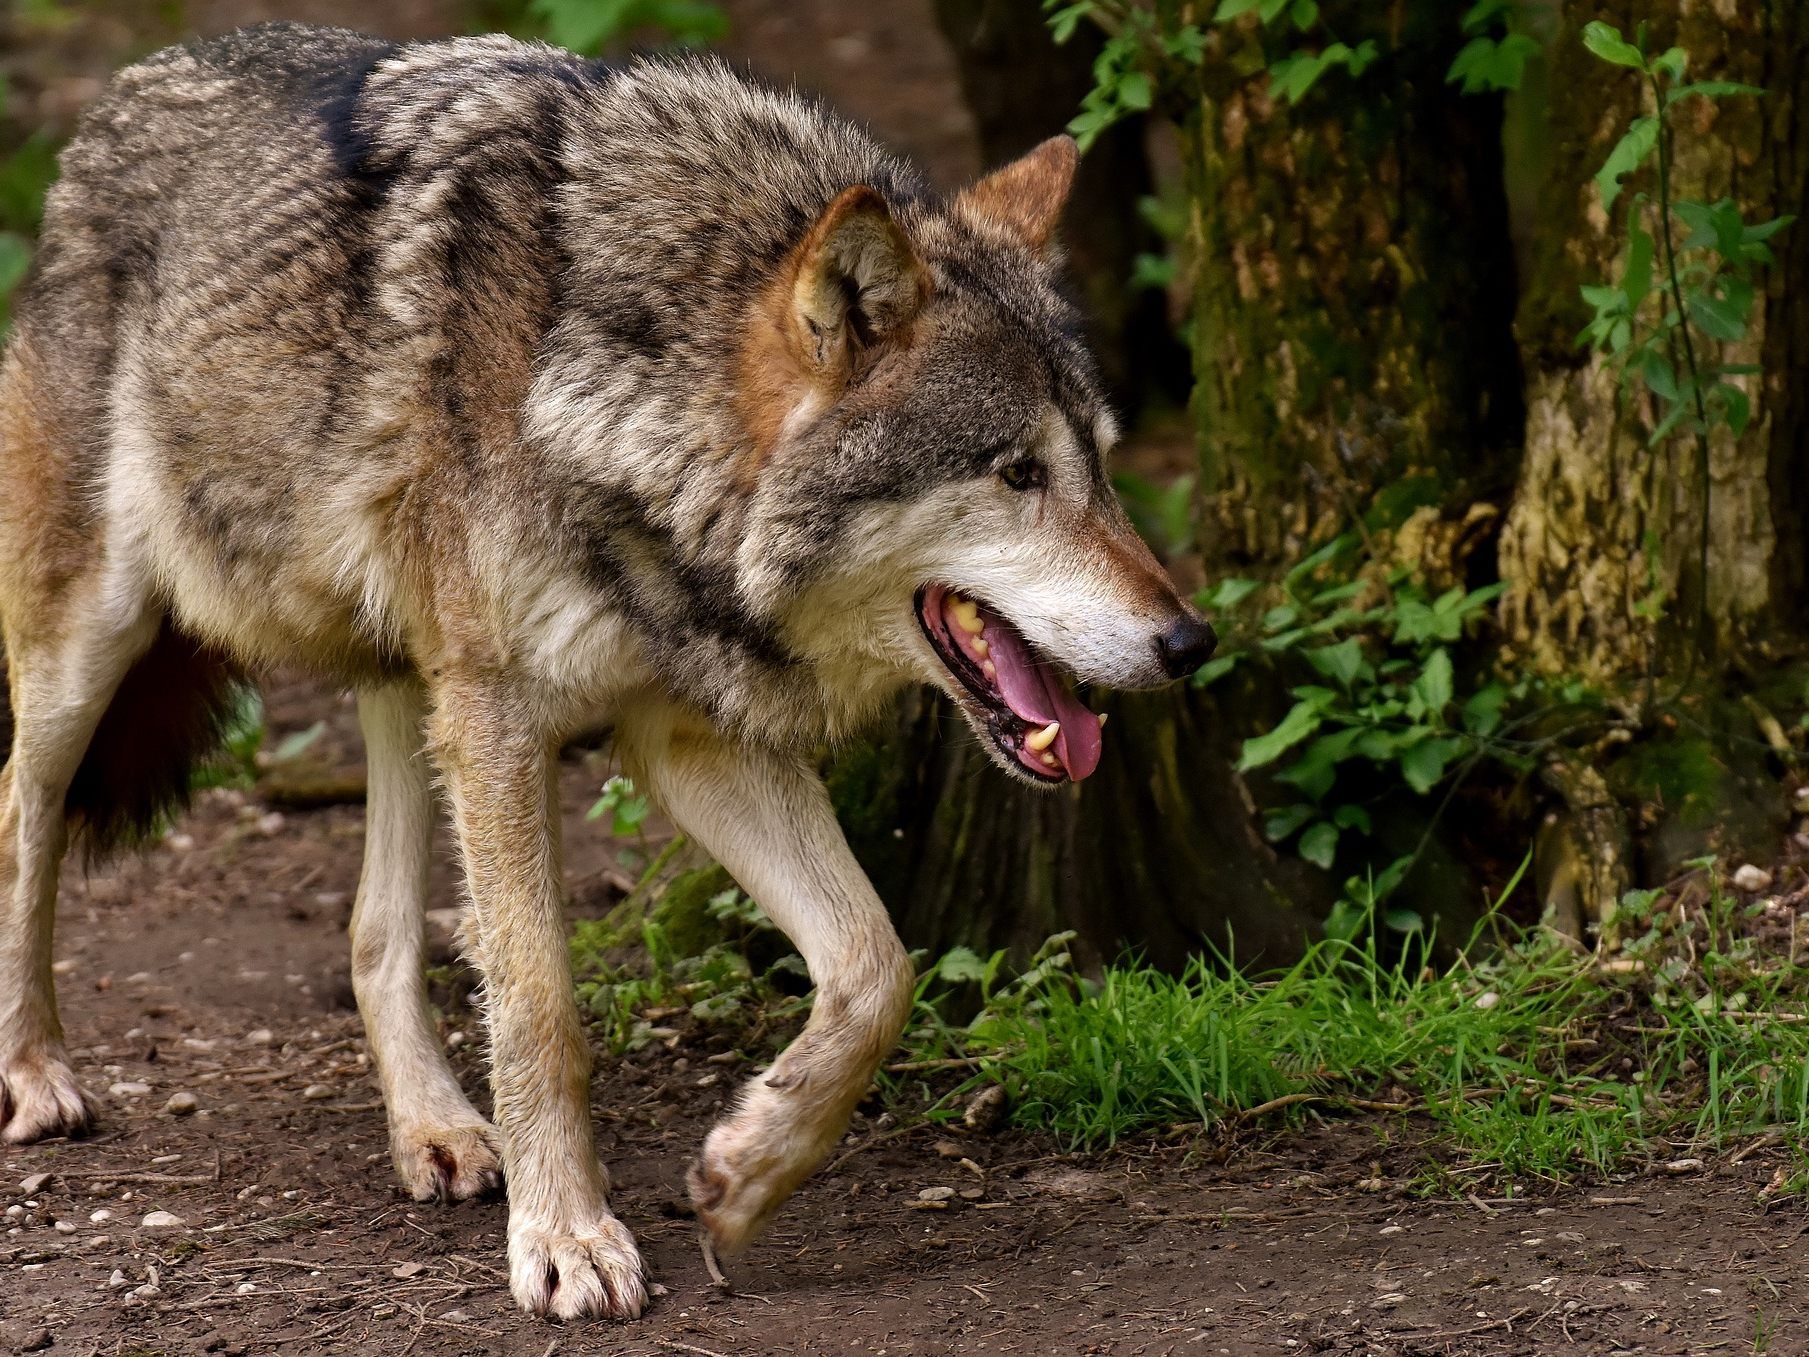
[(170, 714)]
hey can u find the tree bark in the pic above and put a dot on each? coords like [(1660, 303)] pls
[(1602, 525), (1353, 288), (1157, 852), (1021, 87)]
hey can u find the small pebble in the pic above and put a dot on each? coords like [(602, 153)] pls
[(36, 1342), (935, 1194), (163, 1220), (181, 1104), (117, 1280), (456, 1317), (403, 1271), (129, 1088), (33, 1183), (64, 1226), (100, 1217), (245, 1288), (317, 1091), (1751, 878), (261, 1036), (1392, 1230)]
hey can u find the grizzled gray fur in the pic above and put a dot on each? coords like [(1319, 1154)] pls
[(526, 395)]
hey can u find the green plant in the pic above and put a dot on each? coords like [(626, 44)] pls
[(627, 809), (1385, 696), (590, 26), (1527, 1059), (1667, 321), (26, 173), (1495, 57)]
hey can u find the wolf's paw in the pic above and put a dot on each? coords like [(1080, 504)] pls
[(448, 1163), (591, 1270), (40, 1098), (747, 1170)]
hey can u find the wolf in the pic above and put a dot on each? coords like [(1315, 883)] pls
[(527, 395)]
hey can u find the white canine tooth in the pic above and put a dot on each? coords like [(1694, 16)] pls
[(979, 646), (990, 669), (1102, 720), (1045, 737)]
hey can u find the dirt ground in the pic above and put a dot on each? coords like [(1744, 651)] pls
[(215, 965)]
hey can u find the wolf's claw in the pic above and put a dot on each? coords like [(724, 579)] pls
[(448, 1163), (589, 1272)]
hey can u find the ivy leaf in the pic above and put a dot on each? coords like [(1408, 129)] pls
[(1304, 13), (1605, 40), (1434, 685), (1736, 403), (1352, 817), (1485, 63), (1629, 153), (1301, 721), (1278, 824), (1135, 91), (1315, 770), (1636, 282), (1064, 21), (1660, 379), (1424, 764), (1482, 709), (1672, 62), (1483, 13), (1722, 318), (1319, 845), (1216, 668), (1340, 663), (1710, 89), (1228, 593)]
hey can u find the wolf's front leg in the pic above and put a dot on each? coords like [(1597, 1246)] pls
[(568, 1254), (767, 819)]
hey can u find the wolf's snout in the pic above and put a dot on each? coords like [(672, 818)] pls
[(1187, 645)]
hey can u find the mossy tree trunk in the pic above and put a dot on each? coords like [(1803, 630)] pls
[(1602, 526), (1353, 286), (1021, 86)]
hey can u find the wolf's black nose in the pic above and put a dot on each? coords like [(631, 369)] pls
[(1186, 646)]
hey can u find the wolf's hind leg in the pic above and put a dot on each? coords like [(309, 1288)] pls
[(62, 678), (767, 819), (442, 1148)]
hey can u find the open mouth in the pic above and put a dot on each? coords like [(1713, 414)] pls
[(1028, 707)]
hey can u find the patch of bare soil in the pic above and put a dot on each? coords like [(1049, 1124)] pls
[(214, 966)]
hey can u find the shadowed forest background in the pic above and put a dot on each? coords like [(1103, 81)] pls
[(1462, 350), (1489, 460)]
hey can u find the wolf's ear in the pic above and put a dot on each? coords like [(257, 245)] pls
[(859, 282), (1026, 197)]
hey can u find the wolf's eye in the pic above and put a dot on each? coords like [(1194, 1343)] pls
[(1024, 474)]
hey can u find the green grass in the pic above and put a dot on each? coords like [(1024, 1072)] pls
[(1537, 1063)]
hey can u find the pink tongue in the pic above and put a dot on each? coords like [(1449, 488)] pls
[(1040, 696)]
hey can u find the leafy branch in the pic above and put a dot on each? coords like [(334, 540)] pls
[(1670, 332)]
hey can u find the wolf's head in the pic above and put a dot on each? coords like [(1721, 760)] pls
[(920, 398)]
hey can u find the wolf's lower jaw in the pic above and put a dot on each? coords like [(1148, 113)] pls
[(1030, 710)]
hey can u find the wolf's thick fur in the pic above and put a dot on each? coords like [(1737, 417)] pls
[(524, 395)]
